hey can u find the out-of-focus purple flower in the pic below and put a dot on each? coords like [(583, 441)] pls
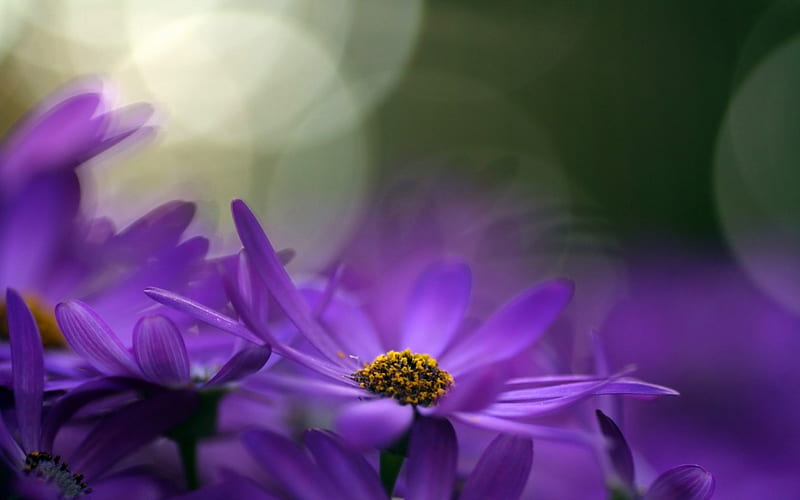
[(71, 126), (158, 353), (329, 469), (431, 365), (697, 322), (31, 456), (685, 482)]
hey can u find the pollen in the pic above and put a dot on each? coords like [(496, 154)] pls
[(45, 321), (51, 469), (408, 377)]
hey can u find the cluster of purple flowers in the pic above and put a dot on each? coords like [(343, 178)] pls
[(135, 366)]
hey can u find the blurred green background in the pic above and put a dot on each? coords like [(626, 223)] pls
[(614, 108)]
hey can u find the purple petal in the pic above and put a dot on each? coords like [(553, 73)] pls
[(534, 431), (287, 463), (350, 328), (618, 451), (374, 424), (200, 312), (345, 469), (502, 470), (432, 460), (473, 391), (304, 385), (245, 362), (126, 430), (92, 339), (252, 290), (155, 231), (626, 387), (27, 366), (685, 482), (11, 452), (435, 307), (271, 271), (33, 226), (240, 487), (160, 351), (513, 328)]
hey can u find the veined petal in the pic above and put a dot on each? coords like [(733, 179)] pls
[(374, 424), (502, 470), (511, 329), (619, 453), (287, 463), (685, 482), (200, 312), (436, 306), (271, 271), (626, 387), (27, 366), (92, 339), (245, 362), (346, 470), (160, 351), (432, 460)]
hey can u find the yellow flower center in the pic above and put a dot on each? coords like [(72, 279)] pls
[(408, 377), (45, 320), (51, 469)]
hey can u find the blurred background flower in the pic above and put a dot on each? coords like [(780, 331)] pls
[(647, 150)]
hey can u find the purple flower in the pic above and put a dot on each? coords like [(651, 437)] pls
[(432, 365), (111, 439), (685, 482), (329, 469), (158, 353)]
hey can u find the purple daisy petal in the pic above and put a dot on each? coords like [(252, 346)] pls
[(128, 122), (685, 482), (200, 312), (245, 362), (350, 328), (502, 470), (432, 460), (285, 461), (160, 351), (346, 470), (627, 387), (511, 329), (92, 339), (473, 391), (618, 452), (239, 487), (504, 426), (304, 385), (124, 431), (252, 290), (374, 424), (28, 369), (436, 307), (11, 452), (272, 272), (159, 229)]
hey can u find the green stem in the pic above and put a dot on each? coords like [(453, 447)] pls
[(187, 448), (390, 468)]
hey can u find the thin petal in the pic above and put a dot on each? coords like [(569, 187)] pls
[(436, 307), (160, 351), (502, 470), (350, 328), (625, 387), (126, 430), (534, 431), (685, 482), (11, 452), (272, 272), (27, 366), (287, 463), (513, 328), (200, 312), (473, 391), (432, 460), (374, 424), (93, 340), (158, 230), (619, 453), (245, 362), (345, 469)]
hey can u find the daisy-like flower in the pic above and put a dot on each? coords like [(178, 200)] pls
[(329, 469), (112, 438), (685, 482), (429, 366)]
